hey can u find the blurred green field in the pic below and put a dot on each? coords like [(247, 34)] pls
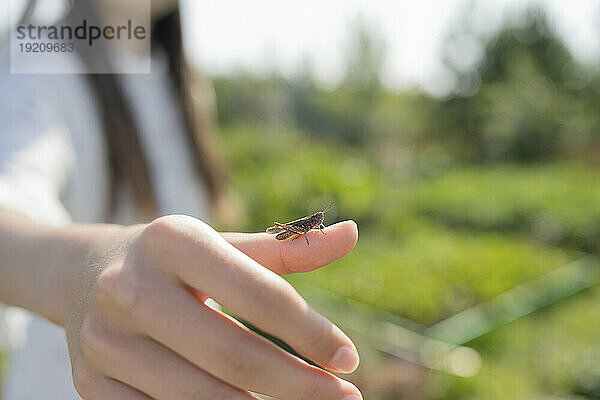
[(555, 203), (433, 245)]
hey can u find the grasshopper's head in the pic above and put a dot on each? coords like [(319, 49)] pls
[(320, 216)]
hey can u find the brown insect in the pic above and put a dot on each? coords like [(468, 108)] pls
[(300, 227)]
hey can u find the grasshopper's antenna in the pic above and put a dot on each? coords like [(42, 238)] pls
[(329, 207)]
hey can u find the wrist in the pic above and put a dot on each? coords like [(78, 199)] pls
[(45, 269), (59, 275), (79, 254)]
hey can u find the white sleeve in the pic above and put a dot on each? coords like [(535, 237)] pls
[(36, 152)]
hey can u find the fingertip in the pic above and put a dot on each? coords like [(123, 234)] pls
[(351, 392), (347, 224), (352, 230), (345, 360), (339, 239), (346, 232)]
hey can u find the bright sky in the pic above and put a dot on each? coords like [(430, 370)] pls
[(266, 35), (262, 36)]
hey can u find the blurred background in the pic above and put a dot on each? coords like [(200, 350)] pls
[(464, 138)]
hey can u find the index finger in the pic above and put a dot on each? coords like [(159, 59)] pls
[(289, 256)]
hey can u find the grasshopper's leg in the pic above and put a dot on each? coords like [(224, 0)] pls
[(301, 234), (321, 227)]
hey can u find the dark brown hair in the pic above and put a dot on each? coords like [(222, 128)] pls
[(127, 161)]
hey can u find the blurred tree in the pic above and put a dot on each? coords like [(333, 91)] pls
[(519, 95), (365, 56), (344, 113), (533, 35), (511, 103), (244, 97)]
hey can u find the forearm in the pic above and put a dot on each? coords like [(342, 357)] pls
[(41, 266)]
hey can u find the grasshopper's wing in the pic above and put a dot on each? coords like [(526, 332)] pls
[(275, 229), (289, 227), (302, 225), (285, 235), (283, 231), (278, 228), (297, 221)]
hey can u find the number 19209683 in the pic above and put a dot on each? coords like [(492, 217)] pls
[(46, 47)]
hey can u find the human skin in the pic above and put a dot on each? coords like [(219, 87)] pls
[(131, 300)]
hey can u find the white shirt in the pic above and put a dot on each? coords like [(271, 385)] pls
[(53, 168)]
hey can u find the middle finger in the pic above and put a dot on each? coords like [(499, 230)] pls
[(233, 353)]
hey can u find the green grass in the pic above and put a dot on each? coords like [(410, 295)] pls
[(428, 247), (432, 245), (432, 273), (552, 353), (557, 203)]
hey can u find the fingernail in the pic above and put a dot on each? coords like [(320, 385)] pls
[(352, 392), (345, 359)]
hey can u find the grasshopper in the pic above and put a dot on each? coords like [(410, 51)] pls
[(300, 227)]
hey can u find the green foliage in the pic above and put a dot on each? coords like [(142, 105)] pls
[(525, 100), (251, 99), (532, 37), (283, 174), (457, 199), (553, 353), (364, 59), (558, 203), (433, 273), (432, 245)]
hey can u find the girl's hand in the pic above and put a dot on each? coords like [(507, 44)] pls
[(139, 328)]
